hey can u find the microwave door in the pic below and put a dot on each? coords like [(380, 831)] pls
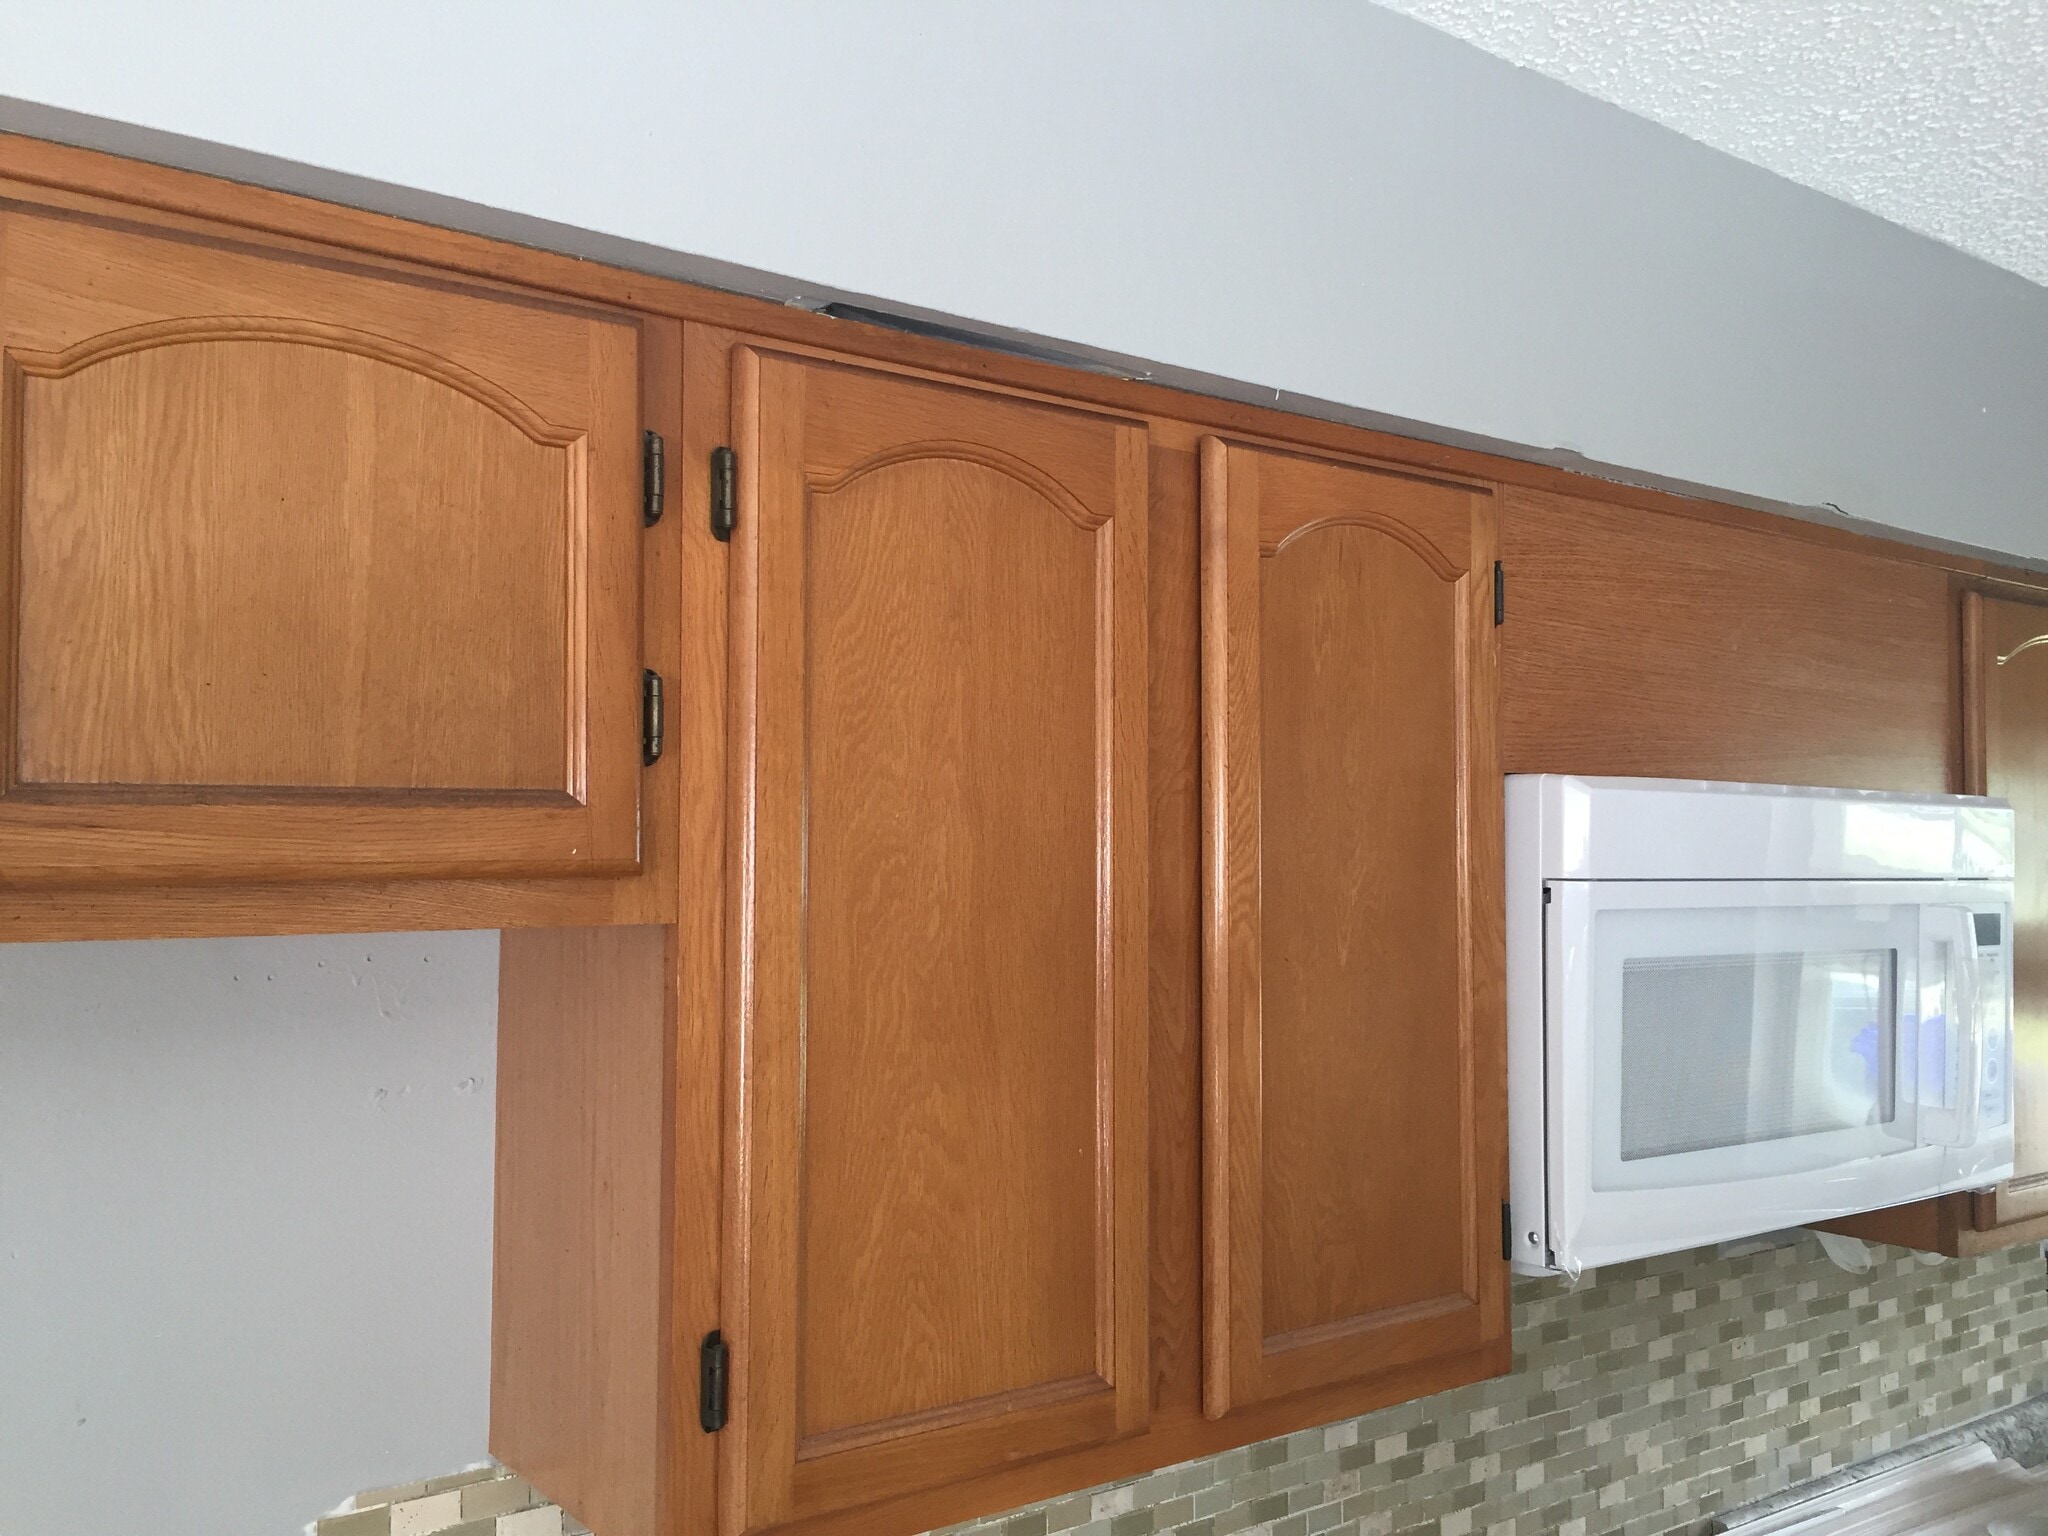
[(1730, 1057)]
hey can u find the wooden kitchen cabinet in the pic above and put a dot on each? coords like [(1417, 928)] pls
[(320, 568), (1354, 1036), (934, 1033), (942, 1207), (935, 1248), (2006, 740), (1040, 1020), (852, 1054)]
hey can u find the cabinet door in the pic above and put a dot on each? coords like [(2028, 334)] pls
[(312, 569), (1353, 993), (2009, 692), (936, 1249)]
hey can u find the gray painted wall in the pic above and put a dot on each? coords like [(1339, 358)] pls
[(245, 1227), (236, 1283), (1316, 196)]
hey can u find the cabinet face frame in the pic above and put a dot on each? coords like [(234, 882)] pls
[(228, 295), (770, 1472), (1247, 1360)]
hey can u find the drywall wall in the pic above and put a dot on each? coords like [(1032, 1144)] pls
[(1315, 196), (245, 1227)]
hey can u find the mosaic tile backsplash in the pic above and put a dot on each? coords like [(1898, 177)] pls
[(483, 1501), (1653, 1396), (1641, 1403)]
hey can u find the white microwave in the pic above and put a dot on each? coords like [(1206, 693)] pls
[(1739, 1007)]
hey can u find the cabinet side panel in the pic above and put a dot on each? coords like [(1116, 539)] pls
[(577, 1341)]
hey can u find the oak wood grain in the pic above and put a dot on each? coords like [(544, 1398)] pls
[(581, 1244), (1177, 1429), (698, 716), (593, 1042), (315, 573), (939, 928), (299, 617), (1352, 1004), (1175, 1069), (678, 552), (1678, 648)]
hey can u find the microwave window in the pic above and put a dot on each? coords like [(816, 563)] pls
[(1725, 1050)]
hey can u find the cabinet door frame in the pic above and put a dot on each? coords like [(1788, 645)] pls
[(766, 1476), (1242, 1368), (115, 834)]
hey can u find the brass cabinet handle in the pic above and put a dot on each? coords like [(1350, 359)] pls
[(2025, 645)]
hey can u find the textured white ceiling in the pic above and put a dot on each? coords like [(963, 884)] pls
[(1931, 114)]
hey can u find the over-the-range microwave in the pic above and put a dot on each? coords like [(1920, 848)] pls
[(1739, 1007)]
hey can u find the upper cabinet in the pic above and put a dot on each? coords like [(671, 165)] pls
[(1354, 1033), (936, 1242), (2006, 707), (316, 568), (1656, 645)]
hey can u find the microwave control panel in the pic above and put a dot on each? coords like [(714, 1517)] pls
[(1994, 994)]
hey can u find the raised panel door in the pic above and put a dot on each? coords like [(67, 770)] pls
[(935, 1254), (312, 569), (1353, 1011)]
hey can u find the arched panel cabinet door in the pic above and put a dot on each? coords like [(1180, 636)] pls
[(312, 568), (1354, 1017), (935, 1253)]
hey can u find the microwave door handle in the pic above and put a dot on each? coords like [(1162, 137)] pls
[(1963, 1021)]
